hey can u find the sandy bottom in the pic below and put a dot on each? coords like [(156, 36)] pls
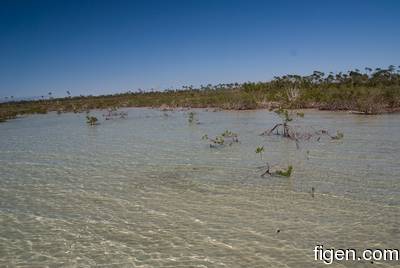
[(158, 221)]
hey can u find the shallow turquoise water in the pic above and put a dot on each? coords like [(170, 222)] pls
[(146, 191)]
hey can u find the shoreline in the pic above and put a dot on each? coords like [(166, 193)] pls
[(166, 108), (365, 93)]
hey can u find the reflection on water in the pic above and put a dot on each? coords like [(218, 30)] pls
[(146, 191)]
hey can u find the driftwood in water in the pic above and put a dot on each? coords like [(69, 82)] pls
[(284, 130)]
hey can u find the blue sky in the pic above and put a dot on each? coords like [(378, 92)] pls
[(97, 47)]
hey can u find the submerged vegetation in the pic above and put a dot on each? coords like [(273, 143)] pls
[(367, 92)]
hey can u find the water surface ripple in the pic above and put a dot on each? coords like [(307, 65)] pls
[(148, 192)]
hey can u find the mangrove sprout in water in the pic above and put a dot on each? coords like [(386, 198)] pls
[(226, 138), (114, 113), (277, 171), (91, 120), (260, 150), (192, 119)]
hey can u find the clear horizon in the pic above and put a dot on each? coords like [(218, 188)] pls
[(106, 47)]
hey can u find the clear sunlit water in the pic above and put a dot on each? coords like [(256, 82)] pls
[(147, 191)]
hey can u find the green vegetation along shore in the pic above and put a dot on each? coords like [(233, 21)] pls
[(367, 92)]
